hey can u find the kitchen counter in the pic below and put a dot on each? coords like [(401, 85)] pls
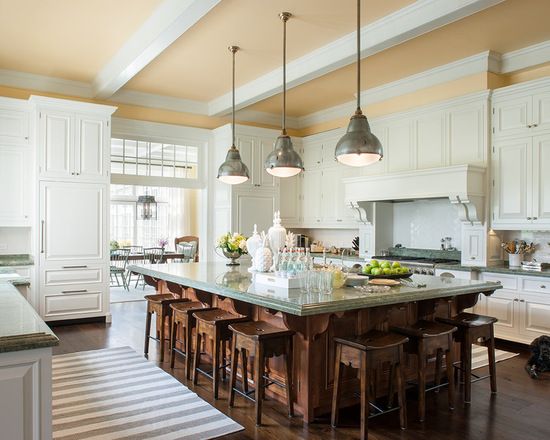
[(496, 268), (20, 326), (8, 275), (236, 283), (16, 260), (355, 258), (316, 318)]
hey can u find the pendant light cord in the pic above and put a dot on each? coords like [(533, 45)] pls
[(233, 50), (358, 110), (284, 16)]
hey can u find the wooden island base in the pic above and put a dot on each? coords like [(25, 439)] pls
[(314, 347)]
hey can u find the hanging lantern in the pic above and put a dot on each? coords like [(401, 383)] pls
[(146, 208)]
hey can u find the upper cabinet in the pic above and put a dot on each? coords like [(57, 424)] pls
[(254, 150), (14, 123), (521, 157), (73, 140)]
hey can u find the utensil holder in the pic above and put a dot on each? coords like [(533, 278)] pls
[(514, 260)]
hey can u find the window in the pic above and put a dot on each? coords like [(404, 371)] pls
[(153, 159), (175, 215)]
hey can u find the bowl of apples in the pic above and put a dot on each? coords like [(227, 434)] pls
[(386, 269)]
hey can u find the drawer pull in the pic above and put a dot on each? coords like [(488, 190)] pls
[(521, 300), (515, 299), (74, 267), (74, 291), (543, 286)]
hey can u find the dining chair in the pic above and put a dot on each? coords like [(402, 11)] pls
[(119, 262), (189, 246), (152, 255)]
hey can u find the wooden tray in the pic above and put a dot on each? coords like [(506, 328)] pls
[(384, 282)]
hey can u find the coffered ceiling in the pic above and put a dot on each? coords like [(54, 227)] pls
[(173, 54)]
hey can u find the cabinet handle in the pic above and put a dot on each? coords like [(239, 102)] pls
[(42, 236), (521, 300), (473, 258), (74, 291), (528, 218), (516, 300), (534, 218), (73, 267), (256, 184), (535, 125), (542, 286), (529, 125), (338, 219)]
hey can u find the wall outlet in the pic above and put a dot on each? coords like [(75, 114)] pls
[(3, 247)]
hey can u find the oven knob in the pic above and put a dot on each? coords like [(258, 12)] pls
[(431, 272), (416, 271), (423, 272)]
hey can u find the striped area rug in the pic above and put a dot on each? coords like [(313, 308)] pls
[(116, 393), (480, 358)]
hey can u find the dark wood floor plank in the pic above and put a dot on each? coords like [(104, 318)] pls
[(520, 410)]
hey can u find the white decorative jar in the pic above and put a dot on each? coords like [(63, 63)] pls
[(276, 234), (254, 243)]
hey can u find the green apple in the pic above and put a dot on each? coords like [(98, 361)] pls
[(376, 271), (367, 269), (386, 265), (396, 264), (387, 271), (374, 263)]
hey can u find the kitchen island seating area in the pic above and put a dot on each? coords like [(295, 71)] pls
[(318, 321)]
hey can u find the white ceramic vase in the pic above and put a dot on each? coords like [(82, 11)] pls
[(276, 234), (254, 243)]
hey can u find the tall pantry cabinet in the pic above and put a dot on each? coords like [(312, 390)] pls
[(73, 208)]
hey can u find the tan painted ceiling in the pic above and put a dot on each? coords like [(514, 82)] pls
[(508, 26), (198, 66), (69, 39)]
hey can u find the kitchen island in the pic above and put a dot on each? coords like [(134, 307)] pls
[(25, 368), (317, 318)]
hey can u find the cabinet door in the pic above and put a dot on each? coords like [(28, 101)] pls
[(467, 134), (14, 127), (503, 305), (15, 185), (253, 208), (512, 183), (91, 148), (266, 180), (381, 132), (399, 149), (56, 144), (73, 221), (541, 181), (313, 155), (329, 189), (246, 146), (344, 214), (430, 140), (474, 244), (541, 111), (534, 315), (512, 116), (311, 206), (291, 200)]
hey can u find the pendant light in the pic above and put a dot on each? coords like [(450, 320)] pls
[(284, 161), (146, 207), (358, 147), (233, 171)]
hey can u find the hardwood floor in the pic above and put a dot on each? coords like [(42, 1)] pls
[(519, 411)]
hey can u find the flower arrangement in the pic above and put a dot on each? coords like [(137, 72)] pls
[(233, 243), (163, 242)]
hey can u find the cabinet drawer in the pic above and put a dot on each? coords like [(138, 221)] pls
[(72, 274), (539, 285), (73, 302), (508, 281)]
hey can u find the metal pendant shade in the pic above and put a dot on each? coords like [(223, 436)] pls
[(233, 171), (359, 146), (284, 161)]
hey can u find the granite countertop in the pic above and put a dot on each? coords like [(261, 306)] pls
[(236, 283), (338, 256), (16, 260), (7, 274), (501, 267), (20, 326)]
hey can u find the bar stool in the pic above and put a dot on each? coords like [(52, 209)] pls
[(425, 338), (213, 324), (366, 353), (160, 305), (472, 328), (262, 341)]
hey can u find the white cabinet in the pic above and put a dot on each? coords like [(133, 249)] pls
[(512, 116), (15, 186), (250, 208), (522, 306), (429, 132), (467, 134), (14, 123), (254, 150), (398, 151), (291, 200), (73, 146), (311, 211), (313, 155), (474, 245), (521, 185)]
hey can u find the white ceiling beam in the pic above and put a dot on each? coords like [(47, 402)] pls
[(412, 21), (168, 22)]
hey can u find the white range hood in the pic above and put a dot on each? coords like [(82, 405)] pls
[(464, 185)]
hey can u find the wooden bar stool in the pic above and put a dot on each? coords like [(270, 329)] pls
[(426, 338), (262, 341), (160, 305), (366, 353), (213, 324), (474, 328), (184, 321)]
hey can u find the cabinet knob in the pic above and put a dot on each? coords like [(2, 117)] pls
[(338, 219), (535, 125), (473, 258), (529, 125), (528, 218), (535, 218), (542, 286)]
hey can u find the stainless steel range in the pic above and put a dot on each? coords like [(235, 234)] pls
[(424, 266)]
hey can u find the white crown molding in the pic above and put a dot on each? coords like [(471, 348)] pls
[(483, 62), (159, 101), (42, 83), (170, 20), (159, 131), (76, 106), (525, 57), (409, 22)]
